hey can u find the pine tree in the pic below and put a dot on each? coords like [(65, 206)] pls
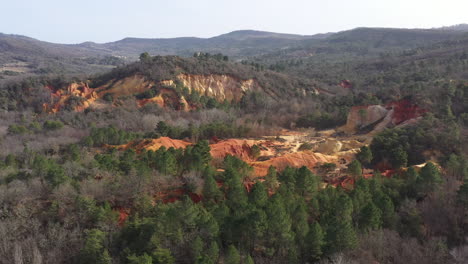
[(399, 157), (258, 196), (306, 182), (315, 242), (271, 179), (197, 248), (300, 224), (371, 217), (453, 165), (165, 161), (213, 252), (163, 256), (236, 193), (202, 148), (430, 178), (361, 195), (462, 194), (232, 255), (249, 260), (365, 155), (355, 169), (211, 190), (279, 223), (340, 233), (256, 228), (288, 177), (94, 251), (412, 181), (386, 206), (143, 259)]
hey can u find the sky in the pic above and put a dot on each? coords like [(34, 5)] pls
[(76, 21)]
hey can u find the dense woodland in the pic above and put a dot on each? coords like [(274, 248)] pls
[(68, 196)]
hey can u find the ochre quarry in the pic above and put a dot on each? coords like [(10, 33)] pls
[(79, 96), (277, 153), (375, 118)]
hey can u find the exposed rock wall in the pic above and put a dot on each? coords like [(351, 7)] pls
[(220, 87), (362, 116)]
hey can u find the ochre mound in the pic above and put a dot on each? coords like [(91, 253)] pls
[(155, 144), (235, 147), (298, 159)]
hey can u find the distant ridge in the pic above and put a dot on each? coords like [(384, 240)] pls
[(21, 54), (459, 27)]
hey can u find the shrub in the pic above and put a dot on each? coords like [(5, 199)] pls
[(53, 125)]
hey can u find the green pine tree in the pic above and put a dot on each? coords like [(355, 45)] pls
[(163, 256), (279, 233), (271, 179), (386, 206), (365, 155), (258, 196), (429, 179), (143, 259), (355, 169), (371, 217), (232, 255), (236, 193), (94, 250), (249, 260), (306, 182), (211, 190), (197, 248), (315, 242), (300, 224), (213, 252)]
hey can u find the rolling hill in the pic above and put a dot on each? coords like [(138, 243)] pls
[(21, 55)]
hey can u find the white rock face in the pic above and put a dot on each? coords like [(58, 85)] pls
[(220, 87)]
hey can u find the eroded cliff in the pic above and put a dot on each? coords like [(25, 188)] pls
[(79, 96)]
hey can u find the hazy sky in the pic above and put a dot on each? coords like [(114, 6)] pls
[(74, 21)]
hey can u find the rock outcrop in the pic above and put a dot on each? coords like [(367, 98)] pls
[(220, 87), (329, 146)]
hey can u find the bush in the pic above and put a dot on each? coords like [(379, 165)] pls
[(52, 125), (17, 129)]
